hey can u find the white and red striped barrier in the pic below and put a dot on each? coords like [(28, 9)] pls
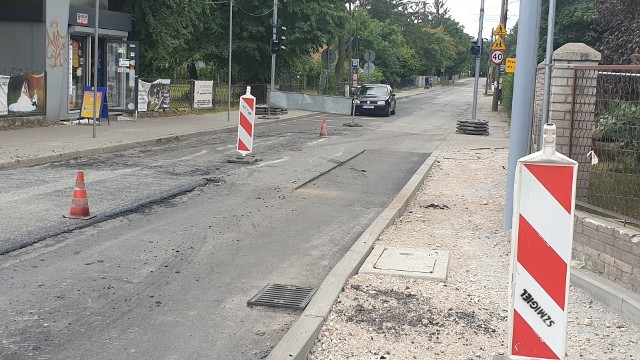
[(542, 237), (247, 122)]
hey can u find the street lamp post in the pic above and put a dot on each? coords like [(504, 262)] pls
[(230, 42), (95, 68)]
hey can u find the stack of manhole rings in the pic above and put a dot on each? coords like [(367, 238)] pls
[(473, 127), (264, 110)]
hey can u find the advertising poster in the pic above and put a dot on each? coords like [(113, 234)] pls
[(143, 95), (159, 94), (25, 94), (87, 104), (202, 94), (154, 95), (4, 89)]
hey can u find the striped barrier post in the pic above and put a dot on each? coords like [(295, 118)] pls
[(247, 121), (541, 239)]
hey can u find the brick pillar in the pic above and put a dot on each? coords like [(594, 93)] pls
[(565, 59)]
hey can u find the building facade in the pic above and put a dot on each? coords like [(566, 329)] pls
[(51, 43)]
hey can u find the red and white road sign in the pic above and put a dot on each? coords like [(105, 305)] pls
[(497, 56), (247, 121), (542, 237)]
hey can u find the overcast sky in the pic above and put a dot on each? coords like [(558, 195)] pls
[(467, 13)]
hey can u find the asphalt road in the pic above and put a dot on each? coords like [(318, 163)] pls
[(183, 239)]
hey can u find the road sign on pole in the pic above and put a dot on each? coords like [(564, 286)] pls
[(497, 56), (369, 55), (542, 236), (499, 44), (511, 65), (247, 120), (500, 30), (355, 63), (369, 68)]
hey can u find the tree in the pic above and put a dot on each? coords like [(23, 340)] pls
[(394, 57), (574, 19), (617, 30), (164, 29)]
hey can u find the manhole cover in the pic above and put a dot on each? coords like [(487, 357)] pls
[(420, 263), (412, 261), (279, 295)]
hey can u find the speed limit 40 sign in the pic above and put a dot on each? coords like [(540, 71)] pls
[(497, 56)]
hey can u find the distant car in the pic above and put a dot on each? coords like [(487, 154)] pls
[(375, 99)]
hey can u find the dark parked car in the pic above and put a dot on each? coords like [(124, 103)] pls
[(375, 99)]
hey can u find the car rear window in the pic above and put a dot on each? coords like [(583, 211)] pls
[(374, 90)]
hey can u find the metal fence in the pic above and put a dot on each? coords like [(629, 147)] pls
[(181, 94), (605, 119)]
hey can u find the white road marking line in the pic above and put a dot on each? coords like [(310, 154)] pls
[(165, 161), (224, 147), (317, 141), (270, 162)]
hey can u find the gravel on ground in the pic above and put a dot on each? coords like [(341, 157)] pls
[(458, 209)]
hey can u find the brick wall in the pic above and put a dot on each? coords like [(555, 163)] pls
[(609, 249)]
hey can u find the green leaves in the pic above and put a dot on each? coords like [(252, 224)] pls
[(410, 37)]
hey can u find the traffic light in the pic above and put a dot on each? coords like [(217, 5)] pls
[(475, 48), (277, 44), (280, 36)]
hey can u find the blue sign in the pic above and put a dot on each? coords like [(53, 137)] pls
[(355, 63)]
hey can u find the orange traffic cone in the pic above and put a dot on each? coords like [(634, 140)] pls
[(80, 203), (323, 130)]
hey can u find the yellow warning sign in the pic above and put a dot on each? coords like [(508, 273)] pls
[(500, 31), (510, 65), (499, 44)]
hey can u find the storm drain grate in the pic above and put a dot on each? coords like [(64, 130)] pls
[(279, 295)]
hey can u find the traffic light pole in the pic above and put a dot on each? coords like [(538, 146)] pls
[(477, 80)]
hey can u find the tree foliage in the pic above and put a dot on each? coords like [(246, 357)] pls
[(410, 37), (617, 30), (574, 18)]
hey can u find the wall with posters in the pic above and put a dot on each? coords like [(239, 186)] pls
[(22, 94)]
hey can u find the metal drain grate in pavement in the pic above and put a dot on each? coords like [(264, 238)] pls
[(279, 295)]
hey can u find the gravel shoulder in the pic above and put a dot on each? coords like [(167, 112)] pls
[(466, 317)]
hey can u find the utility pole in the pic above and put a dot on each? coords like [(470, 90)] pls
[(489, 66), (523, 95), (474, 109), (230, 43), (95, 72), (497, 91), (273, 56)]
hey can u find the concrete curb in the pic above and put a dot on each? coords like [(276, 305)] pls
[(613, 296), (70, 155), (298, 341)]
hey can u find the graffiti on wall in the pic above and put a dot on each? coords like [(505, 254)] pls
[(56, 45)]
